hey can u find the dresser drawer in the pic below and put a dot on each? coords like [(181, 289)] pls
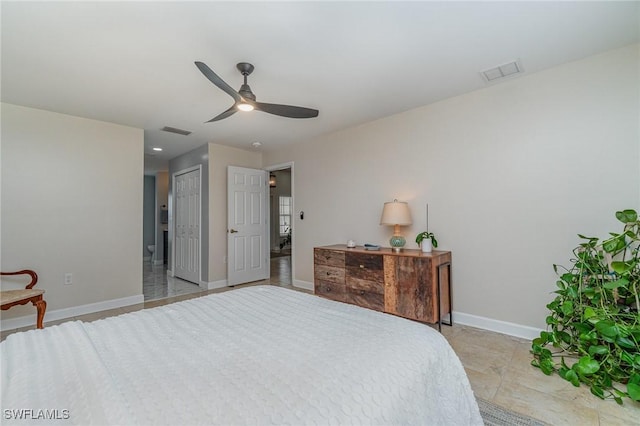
[(367, 267), (330, 290), (356, 283), (329, 273), (328, 257), (364, 298)]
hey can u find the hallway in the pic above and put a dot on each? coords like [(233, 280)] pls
[(156, 284)]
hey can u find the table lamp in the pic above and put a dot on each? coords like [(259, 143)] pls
[(396, 213)]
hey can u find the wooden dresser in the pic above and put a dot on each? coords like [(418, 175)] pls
[(410, 284)]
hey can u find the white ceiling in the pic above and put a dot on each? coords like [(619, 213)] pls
[(133, 63)]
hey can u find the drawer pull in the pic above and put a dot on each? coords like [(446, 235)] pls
[(328, 273), (362, 266), (327, 289), (361, 292)]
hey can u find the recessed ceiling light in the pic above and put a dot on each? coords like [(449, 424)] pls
[(256, 144), (157, 149)]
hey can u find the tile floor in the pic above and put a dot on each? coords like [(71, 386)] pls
[(498, 367), (156, 284)]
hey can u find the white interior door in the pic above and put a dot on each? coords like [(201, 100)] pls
[(247, 238), (187, 226)]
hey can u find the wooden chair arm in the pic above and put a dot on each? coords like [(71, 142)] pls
[(34, 276)]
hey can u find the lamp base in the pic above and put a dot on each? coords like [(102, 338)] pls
[(397, 242)]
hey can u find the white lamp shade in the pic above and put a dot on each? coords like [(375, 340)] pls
[(396, 213)]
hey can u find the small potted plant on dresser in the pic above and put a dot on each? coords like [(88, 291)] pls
[(427, 241)]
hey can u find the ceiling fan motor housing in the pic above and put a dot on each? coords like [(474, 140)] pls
[(245, 92)]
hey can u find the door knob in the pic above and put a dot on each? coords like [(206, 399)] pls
[(232, 231)]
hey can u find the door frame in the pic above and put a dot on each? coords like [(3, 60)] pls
[(172, 219), (283, 166)]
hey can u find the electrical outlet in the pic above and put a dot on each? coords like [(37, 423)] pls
[(68, 278)]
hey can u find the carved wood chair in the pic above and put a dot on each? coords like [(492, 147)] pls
[(10, 298)]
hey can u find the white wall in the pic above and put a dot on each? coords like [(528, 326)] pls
[(72, 195), (511, 174)]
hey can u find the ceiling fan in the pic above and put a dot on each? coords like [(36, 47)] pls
[(245, 100)]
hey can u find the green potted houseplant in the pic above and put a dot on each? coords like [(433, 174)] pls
[(427, 241), (593, 333)]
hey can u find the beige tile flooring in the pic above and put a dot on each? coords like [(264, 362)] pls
[(498, 367)]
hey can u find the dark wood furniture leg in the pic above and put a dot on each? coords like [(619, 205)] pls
[(41, 306)]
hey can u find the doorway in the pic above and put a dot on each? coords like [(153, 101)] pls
[(281, 220)]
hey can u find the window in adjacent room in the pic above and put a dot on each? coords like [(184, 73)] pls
[(285, 216)]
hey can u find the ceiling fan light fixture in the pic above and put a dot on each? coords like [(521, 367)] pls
[(245, 100), (245, 107)]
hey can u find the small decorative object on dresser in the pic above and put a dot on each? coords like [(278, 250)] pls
[(410, 284)]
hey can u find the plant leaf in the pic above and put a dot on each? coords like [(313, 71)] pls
[(597, 391), (587, 366), (607, 328), (627, 216), (546, 365), (571, 376), (622, 267), (598, 350), (622, 282), (589, 312), (625, 342), (633, 390), (614, 244)]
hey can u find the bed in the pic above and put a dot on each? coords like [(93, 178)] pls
[(256, 355)]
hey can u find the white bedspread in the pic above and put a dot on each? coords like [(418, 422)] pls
[(257, 355)]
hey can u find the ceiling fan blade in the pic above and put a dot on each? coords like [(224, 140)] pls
[(225, 114), (286, 110), (213, 77)]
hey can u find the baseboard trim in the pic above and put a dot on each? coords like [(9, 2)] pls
[(490, 324), (212, 285), (58, 314), (303, 284), (504, 327)]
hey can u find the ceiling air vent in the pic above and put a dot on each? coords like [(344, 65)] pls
[(501, 71), (174, 130)]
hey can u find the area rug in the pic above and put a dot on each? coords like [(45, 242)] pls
[(494, 415)]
